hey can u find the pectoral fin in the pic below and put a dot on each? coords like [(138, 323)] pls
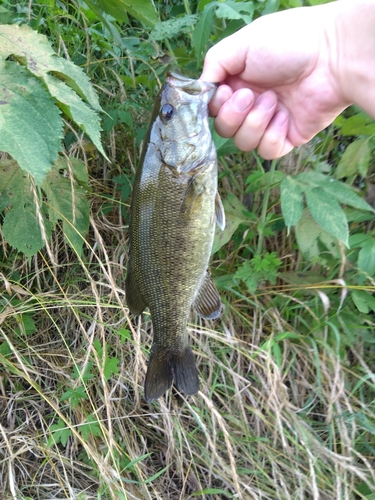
[(133, 297), (190, 195), (207, 303), (219, 212)]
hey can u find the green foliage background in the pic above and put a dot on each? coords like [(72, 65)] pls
[(286, 408)]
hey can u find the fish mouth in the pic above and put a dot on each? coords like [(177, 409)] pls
[(191, 86)]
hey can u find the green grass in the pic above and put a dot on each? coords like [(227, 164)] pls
[(286, 406)]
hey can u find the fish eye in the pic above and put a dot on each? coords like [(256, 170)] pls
[(167, 111)]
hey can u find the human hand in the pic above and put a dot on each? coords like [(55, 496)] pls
[(279, 84)]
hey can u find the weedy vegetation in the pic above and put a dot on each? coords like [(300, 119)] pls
[(286, 408)]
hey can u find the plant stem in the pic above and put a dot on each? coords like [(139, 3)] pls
[(187, 7), (265, 201)]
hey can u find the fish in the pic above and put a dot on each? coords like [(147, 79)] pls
[(175, 206)]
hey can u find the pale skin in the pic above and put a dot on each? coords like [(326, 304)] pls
[(287, 76)]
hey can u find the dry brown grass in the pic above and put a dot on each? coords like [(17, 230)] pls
[(262, 426)]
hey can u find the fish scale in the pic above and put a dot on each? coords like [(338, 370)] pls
[(174, 202)]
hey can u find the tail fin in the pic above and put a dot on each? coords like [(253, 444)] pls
[(163, 368)]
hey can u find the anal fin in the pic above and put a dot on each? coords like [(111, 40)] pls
[(207, 302), (133, 297)]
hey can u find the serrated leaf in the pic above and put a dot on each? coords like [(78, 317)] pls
[(327, 213), (356, 159), (30, 123), (111, 367), (235, 10), (312, 178), (67, 201), (339, 190), (143, 10), (36, 52), (73, 106), (90, 427), (21, 226), (11, 183), (311, 237), (74, 395), (62, 77), (60, 433), (346, 194), (202, 31), (291, 201), (172, 27)]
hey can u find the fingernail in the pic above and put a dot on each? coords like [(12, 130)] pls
[(242, 99), (267, 100)]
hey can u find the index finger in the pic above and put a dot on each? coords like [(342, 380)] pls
[(228, 57)]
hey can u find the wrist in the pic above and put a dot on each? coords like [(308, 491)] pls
[(351, 34)]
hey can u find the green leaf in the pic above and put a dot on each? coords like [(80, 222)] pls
[(35, 51), (202, 31), (67, 201), (98, 348), (327, 213), (358, 124), (339, 190), (74, 395), (363, 301), (27, 325), (30, 123), (12, 180), (80, 173), (258, 269), (172, 27), (22, 225), (72, 105), (258, 181), (143, 10), (345, 194), (291, 201), (60, 433), (366, 257), (90, 428), (62, 78), (356, 159), (235, 10), (84, 375), (111, 367), (124, 334), (311, 237)]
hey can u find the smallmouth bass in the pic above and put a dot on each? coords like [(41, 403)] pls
[(174, 207)]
